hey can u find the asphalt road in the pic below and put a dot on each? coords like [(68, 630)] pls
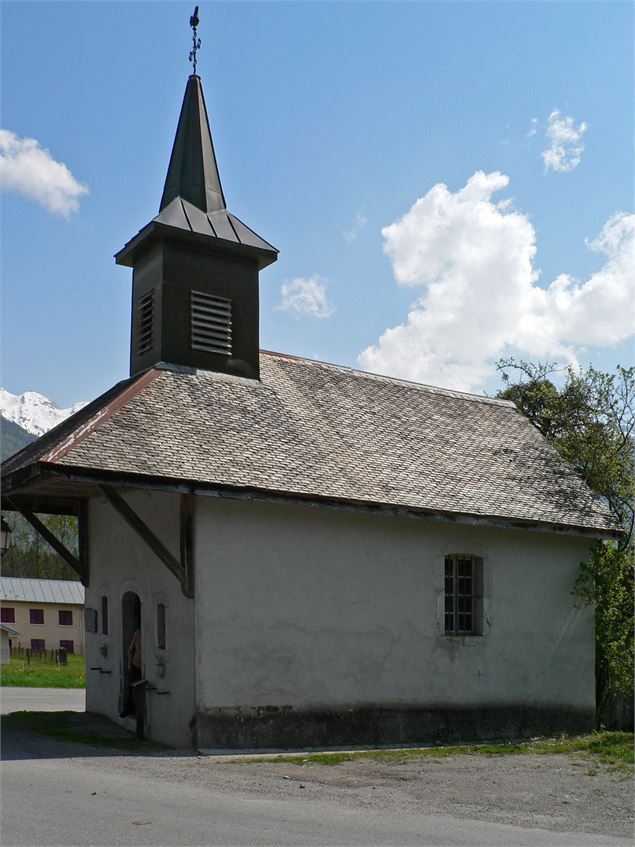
[(42, 700), (80, 795)]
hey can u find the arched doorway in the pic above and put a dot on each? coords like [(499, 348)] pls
[(130, 623)]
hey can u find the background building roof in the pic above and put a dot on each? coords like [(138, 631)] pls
[(41, 590)]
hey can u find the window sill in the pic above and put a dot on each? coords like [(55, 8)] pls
[(459, 640)]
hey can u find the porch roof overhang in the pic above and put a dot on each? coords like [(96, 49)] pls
[(61, 489), (40, 490)]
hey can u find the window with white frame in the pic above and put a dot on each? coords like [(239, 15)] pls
[(463, 595)]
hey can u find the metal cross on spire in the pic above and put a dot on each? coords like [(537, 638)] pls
[(196, 41)]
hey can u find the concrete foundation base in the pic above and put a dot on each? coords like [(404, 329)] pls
[(285, 727)]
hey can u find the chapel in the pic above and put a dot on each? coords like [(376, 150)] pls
[(312, 555)]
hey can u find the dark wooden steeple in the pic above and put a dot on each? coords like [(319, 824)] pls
[(195, 266), (193, 172)]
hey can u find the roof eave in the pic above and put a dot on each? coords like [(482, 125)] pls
[(155, 232), (90, 478)]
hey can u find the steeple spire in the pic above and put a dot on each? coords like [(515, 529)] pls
[(195, 266), (193, 171)]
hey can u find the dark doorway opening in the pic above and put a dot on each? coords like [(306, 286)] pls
[(130, 622)]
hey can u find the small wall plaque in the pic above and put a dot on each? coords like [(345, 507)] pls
[(90, 616)]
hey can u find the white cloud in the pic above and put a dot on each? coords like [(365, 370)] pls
[(475, 258), (306, 296), (29, 169), (356, 227), (565, 149), (533, 127)]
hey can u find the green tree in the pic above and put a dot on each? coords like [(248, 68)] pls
[(31, 557), (589, 417)]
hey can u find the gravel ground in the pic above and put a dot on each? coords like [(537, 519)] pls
[(556, 792), (560, 793)]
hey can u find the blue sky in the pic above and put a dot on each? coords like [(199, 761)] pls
[(330, 121)]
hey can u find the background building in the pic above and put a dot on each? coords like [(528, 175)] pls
[(47, 613)]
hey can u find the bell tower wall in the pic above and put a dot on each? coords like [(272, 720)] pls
[(195, 307)]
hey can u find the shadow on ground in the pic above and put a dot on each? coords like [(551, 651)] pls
[(53, 735)]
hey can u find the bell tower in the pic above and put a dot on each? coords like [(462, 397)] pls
[(195, 266)]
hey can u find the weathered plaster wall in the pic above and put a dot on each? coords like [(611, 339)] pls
[(119, 562), (305, 610)]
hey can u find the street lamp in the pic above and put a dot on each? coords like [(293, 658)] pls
[(5, 540)]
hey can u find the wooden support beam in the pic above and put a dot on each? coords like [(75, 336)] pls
[(82, 532), (48, 536), (145, 533)]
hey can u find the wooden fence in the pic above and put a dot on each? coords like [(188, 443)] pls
[(57, 657)]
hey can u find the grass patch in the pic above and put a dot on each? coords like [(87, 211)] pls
[(610, 748), (75, 727), (44, 673)]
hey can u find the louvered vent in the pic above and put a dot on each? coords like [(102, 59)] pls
[(145, 314), (211, 323)]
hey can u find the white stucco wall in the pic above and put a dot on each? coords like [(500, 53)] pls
[(311, 607), (120, 561)]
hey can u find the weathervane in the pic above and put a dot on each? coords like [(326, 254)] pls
[(196, 41)]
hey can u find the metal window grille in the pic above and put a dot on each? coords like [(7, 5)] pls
[(461, 595), (211, 323), (145, 321)]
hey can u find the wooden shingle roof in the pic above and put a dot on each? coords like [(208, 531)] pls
[(328, 433)]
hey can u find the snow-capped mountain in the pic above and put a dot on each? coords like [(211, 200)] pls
[(32, 411)]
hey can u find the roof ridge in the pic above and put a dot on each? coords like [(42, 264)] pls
[(50, 435), (77, 435), (435, 389), (55, 443)]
